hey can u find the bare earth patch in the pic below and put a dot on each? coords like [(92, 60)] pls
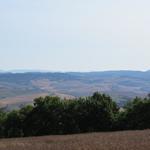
[(126, 140)]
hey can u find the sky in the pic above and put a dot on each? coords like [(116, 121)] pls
[(75, 35)]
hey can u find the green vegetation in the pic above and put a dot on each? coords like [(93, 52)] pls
[(53, 115)]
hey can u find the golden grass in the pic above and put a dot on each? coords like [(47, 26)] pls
[(127, 140), (20, 99)]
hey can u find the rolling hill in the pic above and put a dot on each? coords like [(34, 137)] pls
[(21, 88)]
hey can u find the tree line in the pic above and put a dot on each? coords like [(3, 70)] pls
[(53, 115)]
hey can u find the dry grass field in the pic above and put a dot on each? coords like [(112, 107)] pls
[(28, 99), (126, 140)]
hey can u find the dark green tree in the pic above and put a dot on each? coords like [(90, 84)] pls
[(13, 124)]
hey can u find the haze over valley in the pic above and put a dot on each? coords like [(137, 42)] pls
[(18, 89)]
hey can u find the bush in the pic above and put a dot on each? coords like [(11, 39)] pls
[(52, 115)]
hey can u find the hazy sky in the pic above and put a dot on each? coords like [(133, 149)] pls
[(75, 35)]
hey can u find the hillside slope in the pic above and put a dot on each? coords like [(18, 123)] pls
[(121, 85)]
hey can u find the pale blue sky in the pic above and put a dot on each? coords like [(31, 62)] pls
[(75, 35)]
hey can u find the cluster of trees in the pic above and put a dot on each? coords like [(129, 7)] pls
[(52, 115)]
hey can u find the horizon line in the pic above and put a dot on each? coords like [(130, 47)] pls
[(69, 71)]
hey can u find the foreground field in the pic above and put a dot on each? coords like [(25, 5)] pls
[(127, 140)]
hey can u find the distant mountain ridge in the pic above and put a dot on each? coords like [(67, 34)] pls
[(22, 87)]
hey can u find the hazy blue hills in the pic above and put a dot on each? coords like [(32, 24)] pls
[(21, 88)]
